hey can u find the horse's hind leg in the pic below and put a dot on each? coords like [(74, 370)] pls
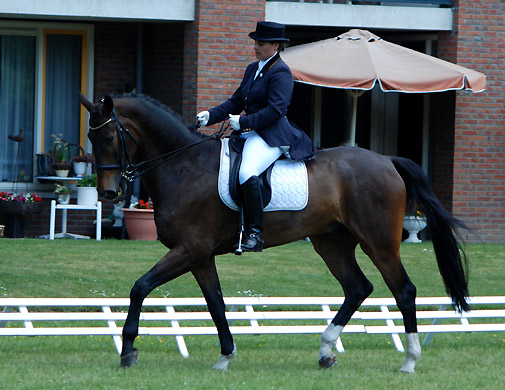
[(338, 254), (208, 281), (389, 264)]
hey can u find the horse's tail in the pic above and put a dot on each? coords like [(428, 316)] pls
[(442, 226)]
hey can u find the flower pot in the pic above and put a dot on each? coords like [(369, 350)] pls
[(63, 198), (20, 208), (413, 225), (80, 168), (61, 172), (15, 227), (87, 196), (140, 224)]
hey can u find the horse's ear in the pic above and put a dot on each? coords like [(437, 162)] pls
[(108, 104), (85, 102)]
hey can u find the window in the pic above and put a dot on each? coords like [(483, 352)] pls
[(62, 80), (17, 96)]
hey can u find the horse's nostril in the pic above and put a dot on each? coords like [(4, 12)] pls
[(109, 194)]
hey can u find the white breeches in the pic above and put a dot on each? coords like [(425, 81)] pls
[(257, 156)]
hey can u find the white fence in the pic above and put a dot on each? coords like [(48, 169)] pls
[(246, 315)]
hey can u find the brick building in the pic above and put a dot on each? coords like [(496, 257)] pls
[(190, 55)]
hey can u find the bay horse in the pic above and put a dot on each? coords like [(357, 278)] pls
[(355, 197)]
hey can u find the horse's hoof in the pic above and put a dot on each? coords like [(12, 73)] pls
[(130, 358), (327, 362)]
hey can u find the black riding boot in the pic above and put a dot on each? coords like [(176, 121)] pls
[(253, 213)]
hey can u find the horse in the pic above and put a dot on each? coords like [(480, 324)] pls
[(356, 197)]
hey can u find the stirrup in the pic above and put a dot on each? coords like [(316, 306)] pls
[(253, 243)]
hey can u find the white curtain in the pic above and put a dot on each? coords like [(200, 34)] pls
[(17, 91), (63, 81)]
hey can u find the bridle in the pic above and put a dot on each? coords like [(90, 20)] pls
[(123, 149), (129, 170)]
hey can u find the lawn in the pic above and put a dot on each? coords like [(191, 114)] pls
[(67, 268)]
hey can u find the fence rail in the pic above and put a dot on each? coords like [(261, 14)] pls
[(246, 315)]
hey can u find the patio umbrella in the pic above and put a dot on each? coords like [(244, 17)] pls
[(358, 59)]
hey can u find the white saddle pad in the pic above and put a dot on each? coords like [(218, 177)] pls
[(290, 183)]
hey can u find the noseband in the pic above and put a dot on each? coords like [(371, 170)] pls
[(130, 171)]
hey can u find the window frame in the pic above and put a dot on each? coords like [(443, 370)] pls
[(40, 31)]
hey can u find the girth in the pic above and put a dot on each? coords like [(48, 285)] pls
[(236, 145)]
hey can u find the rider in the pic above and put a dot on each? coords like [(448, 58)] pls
[(264, 96)]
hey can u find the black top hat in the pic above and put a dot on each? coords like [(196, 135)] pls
[(268, 32)]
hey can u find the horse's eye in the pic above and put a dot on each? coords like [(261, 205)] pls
[(109, 140)]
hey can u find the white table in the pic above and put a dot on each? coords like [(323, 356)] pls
[(65, 208)]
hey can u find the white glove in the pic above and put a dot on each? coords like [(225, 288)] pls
[(203, 118), (235, 122)]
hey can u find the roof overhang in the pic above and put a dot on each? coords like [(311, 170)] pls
[(154, 10)]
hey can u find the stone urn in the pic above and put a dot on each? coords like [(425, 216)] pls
[(80, 168), (413, 225)]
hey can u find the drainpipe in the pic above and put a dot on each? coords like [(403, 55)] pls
[(140, 62), (138, 83)]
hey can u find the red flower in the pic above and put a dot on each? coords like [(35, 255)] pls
[(143, 205)]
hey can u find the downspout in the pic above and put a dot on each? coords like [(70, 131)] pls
[(138, 82)]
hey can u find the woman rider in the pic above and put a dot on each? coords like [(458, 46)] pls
[(263, 96)]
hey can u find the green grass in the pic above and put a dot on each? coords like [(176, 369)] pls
[(66, 268)]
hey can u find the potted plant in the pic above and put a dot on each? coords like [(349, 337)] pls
[(86, 190), (139, 221), (63, 193), (83, 162), (17, 206), (414, 222), (60, 156)]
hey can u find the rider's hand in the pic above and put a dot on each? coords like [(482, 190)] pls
[(203, 118), (235, 122)]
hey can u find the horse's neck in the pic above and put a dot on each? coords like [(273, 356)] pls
[(161, 134), (169, 183)]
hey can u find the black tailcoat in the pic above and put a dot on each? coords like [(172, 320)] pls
[(265, 102)]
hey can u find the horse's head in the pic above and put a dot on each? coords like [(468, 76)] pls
[(111, 146)]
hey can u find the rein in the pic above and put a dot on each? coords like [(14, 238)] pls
[(131, 171)]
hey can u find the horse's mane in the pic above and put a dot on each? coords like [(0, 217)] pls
[(173, 115)]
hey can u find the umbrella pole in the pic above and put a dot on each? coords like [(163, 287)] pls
[(355, 94)]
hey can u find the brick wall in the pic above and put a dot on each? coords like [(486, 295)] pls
[(163, 48), (115, 57), (219, 35), (479, 137)]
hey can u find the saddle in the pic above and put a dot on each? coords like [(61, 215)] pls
[(284, 185), (236, 145)]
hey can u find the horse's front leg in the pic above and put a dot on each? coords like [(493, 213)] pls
[(208, 281), (172, 265)]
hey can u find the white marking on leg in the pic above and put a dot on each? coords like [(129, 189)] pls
[(413, 352), (328, 340), (224, 360)]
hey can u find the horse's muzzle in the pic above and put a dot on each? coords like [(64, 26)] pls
[(110, 194)]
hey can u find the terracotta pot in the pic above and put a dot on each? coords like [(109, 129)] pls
[(140, 224)]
